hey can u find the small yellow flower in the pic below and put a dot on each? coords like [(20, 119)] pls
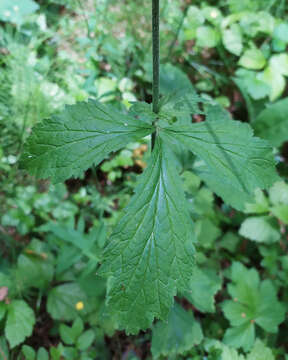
[(79, 306)]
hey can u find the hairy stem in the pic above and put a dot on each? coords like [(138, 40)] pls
[(156, 61)]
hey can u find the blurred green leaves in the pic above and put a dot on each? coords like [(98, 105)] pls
[(254, 302), (204, 286), (272, 123), (252, 59), (19, 322), (16, 11), (180, 333)]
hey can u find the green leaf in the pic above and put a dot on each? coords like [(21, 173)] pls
[(15, 11), (203, 203), (232, 39), (176, 336), (254, 23), (67, 335), (275, 80), (235, 167), (106, 88), (272, 123), (35, 265), (62, 300), (181, 103), (278, 45), (72, 353), (270, 259), (235, 197), (252, 59), (28, 352), (195, 17), (227, 352), (255, 87), (172, 79), (241, 336), (150, 254), (144, 111), (206, 232), (261, 229), (191, 182), (278, 194), (279, 63), (3, 308), (42, 354), (206, 36), (246, 5), (19, 323), (85, 340), (204, 286), (67, 233), (281, 212), (229, 241), (57, 352), (80, 136), (254, 303), (260, 352), (77, 327), (178, 107), (259, 206), (270, 312), (281, 33)]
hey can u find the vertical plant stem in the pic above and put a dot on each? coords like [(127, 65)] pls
[(156, 61)]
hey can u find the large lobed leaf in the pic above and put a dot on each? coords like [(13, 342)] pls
[(236, 162), (81, 135), (254, 303), (151, 253)]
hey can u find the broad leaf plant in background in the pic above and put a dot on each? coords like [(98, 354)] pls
[(150, 255)]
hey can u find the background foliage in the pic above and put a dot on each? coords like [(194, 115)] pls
[(57, 52)]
